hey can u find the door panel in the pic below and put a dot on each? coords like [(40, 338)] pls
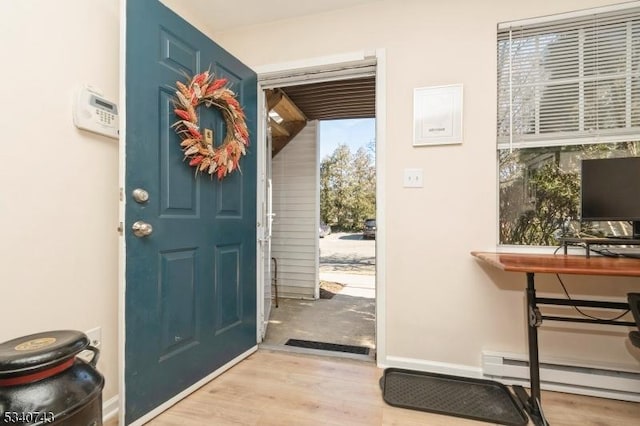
[(190, 302), (177, 298), (228, 288), (178, 190)]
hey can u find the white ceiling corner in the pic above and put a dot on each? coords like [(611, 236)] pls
[(223, 15)]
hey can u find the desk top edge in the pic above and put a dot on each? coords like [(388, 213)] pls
[(561, 264)]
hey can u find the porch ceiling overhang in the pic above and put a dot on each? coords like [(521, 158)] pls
[(330, 100)]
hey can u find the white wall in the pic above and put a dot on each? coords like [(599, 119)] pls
[(58, 185), (295, 226), (441, 304)]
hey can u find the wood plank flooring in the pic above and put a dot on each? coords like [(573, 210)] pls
[(280, 388)]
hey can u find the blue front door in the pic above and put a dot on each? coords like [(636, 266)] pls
[(190, 304)]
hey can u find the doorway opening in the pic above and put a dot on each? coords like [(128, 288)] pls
[(323, 284)]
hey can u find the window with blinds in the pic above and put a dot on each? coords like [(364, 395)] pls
[(568, 90), (569, 81)]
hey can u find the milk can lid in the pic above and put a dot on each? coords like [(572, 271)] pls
[(29, 354)]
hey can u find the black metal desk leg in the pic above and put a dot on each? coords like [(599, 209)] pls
[(532, 331), (532, 403)]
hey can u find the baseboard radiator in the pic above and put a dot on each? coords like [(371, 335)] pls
[(564, 376)]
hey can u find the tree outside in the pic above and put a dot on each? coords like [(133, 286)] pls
[(540, 193), (347, 188)]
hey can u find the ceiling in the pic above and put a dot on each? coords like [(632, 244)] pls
[(222, 15)]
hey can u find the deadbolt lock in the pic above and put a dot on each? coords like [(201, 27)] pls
[(140, 195)]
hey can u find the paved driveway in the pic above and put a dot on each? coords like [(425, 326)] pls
[(347, 253)]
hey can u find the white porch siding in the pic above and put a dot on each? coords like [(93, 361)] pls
[(294, 243)]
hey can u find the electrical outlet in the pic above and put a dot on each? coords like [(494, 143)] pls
[(95, 337), (95, 340), (413, 178)]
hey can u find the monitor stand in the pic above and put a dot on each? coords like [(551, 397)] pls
[(605, 241)]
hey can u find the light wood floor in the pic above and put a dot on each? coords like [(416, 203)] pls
[(279, 388)]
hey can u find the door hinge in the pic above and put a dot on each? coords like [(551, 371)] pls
[(121, 194), (120, 228)]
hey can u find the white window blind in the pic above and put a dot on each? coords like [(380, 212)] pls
[(570, 81)]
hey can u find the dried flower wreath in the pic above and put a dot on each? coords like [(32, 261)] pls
[(205, 89)]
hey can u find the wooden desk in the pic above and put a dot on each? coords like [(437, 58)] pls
[(531, 264), (560, 264)]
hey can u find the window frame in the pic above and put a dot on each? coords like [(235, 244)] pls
[(509, 135), (561, 139)]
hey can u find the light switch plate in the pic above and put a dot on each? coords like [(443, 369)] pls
[(413, 178)]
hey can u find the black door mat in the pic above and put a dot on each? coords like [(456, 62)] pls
[(476, 399), (361, 350)]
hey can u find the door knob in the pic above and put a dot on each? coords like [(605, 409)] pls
[(140, 195), (141, 229)]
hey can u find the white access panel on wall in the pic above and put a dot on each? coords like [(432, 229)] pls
[(94, 113)]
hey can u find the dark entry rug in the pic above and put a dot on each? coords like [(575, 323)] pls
[(476, 399), (309, 344)]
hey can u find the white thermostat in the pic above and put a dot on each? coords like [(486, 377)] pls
[(93, 112)]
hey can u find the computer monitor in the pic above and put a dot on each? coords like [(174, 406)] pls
[(611, 190)]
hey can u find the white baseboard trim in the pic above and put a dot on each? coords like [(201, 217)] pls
[(110, 408), (431, 366), (163, 407)]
